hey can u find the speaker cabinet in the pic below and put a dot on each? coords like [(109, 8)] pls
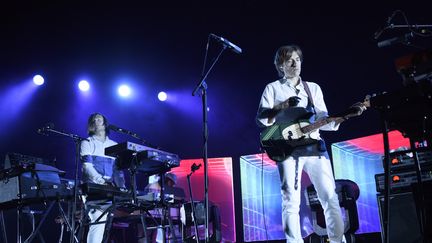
[(403, 220)]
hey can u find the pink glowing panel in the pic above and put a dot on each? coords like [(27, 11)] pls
[(220, 189), (374, 143)]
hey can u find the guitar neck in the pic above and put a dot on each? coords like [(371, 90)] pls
[(320, 123)]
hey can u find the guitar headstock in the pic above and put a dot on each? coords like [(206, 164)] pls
[(366, 101)]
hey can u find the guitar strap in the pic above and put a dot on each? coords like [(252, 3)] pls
[(306, 87)]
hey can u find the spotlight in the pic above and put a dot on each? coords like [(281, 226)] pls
[(162, 96), (83, 85), (38, 79), (124, 90)]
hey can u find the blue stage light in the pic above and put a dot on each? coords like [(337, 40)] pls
[(38, 80), (162, 96), (84, 85), (124, 90)]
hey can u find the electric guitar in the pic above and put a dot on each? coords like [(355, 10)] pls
[(293, 128)]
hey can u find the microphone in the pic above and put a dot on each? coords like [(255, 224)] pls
[(227, 43), (45, 128), (195, 167), (401, 39), (117, 129)]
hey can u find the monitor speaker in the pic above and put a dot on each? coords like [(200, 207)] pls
[(403, 221)]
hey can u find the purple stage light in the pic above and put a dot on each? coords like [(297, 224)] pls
[(124, 90), (83, 85), (38, 80), (162, 96)]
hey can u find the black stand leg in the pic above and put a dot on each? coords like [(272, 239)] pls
[(3, 229), (144, 226), (420, 199), (19, 226), (193, 208), (75, 193), (108, 225), (171, 226), (65, 219), (387, 179), (36, 230)]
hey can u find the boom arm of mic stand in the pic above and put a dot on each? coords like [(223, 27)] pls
[(416, 26), (202, 83), (70, 135)]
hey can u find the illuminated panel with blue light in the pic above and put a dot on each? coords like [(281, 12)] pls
[(359, 160), (261, 200)]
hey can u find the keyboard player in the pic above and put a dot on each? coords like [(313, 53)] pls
[(99, 169)]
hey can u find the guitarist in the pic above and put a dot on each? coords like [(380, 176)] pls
[(282, 95)]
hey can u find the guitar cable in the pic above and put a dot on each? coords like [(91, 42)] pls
[(262, 194)]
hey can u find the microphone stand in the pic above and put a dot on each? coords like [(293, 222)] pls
[(404, 26), (202, 85), (415, 26), (77, 139), (134, 135)]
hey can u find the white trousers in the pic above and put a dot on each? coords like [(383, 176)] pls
[(96, 231), (320, 173)]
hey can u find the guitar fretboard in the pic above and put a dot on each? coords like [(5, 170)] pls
[(320, 123)]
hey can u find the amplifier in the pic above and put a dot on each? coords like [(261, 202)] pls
[(404, 160), (38, 185), (403, 221), (401, 181)]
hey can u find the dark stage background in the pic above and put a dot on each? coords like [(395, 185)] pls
[(160, 47)]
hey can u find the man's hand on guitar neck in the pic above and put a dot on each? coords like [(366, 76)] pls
[(355, 110), (359, 107)]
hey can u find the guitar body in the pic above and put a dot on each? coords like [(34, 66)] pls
[(296, 127), (279, 139)]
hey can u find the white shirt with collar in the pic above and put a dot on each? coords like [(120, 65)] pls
[(280, 90), (95, 147)]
